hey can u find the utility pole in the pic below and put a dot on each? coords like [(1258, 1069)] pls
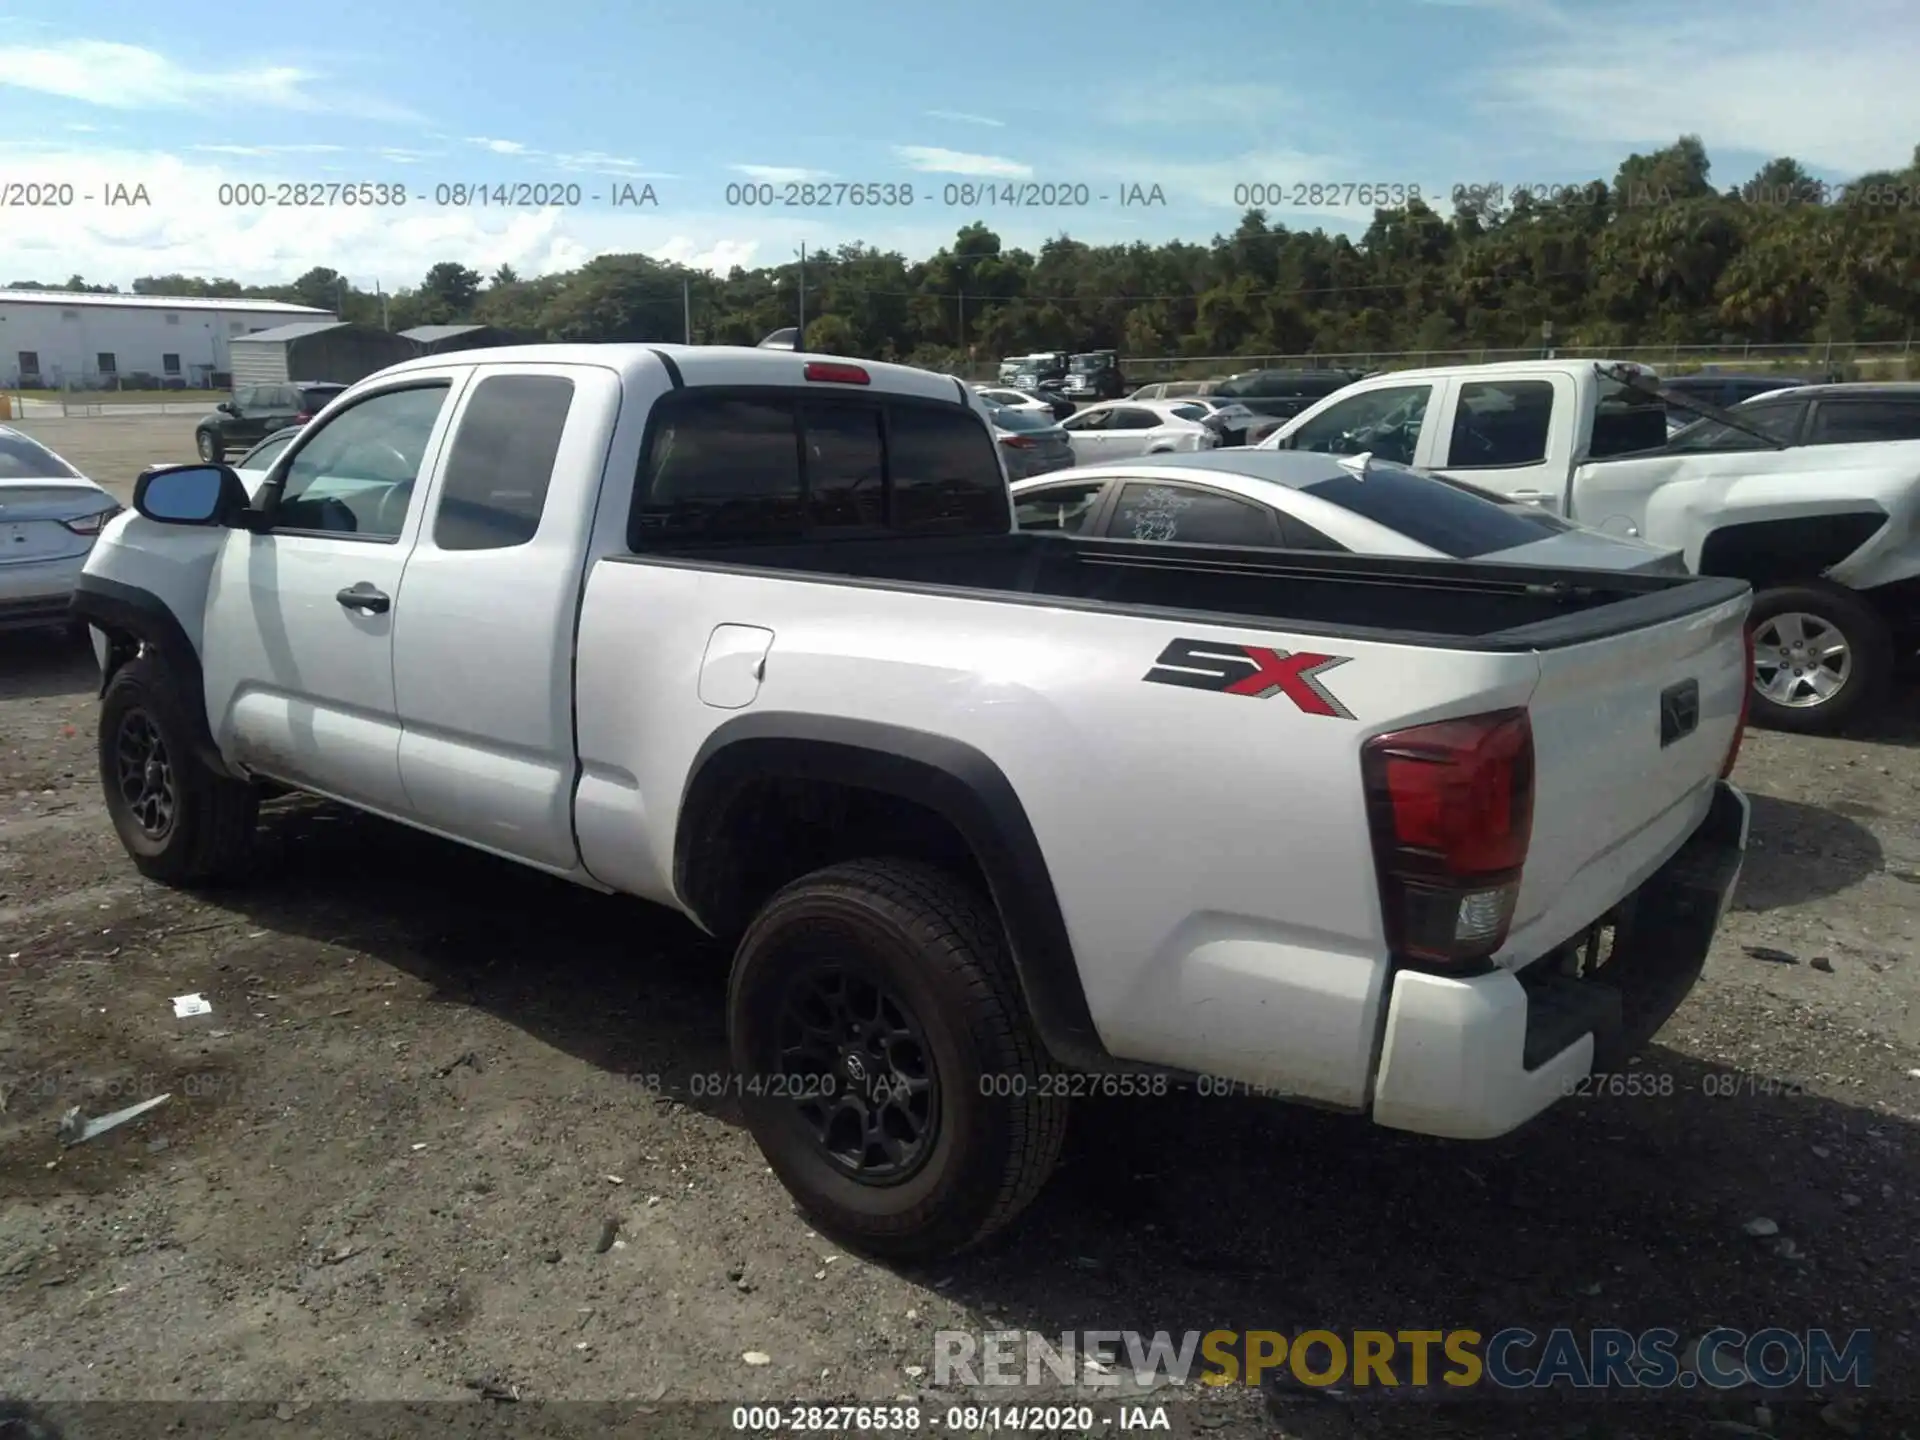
[(383, 305), (686, 304), (963, 319), (800, 334)]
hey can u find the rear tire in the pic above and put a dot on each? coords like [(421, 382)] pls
[(1844, 649), (182, 823), (903, 970)]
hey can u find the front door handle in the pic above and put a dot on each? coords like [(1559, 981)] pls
[(365, 598)]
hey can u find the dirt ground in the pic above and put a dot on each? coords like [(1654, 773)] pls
[(112, 450), (434, 1086)]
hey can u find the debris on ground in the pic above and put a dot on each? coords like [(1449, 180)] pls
[(185, 1006), (1773, 956), (1760, 1227), (76, 1131)]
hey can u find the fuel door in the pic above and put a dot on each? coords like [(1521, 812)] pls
[(734, 665)]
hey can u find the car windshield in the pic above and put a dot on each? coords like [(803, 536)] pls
[(24, 459), (265, 453), (1453, 521), (1008, 419)]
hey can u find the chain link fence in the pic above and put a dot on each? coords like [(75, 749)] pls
[(1876, 360)]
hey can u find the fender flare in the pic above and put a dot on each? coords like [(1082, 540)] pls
[(949, 777), (130, 610)]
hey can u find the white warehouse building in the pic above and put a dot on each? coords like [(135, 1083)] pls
[(51, 339)]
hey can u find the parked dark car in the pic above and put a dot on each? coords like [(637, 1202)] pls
[(1282, 393), (256, 411), (1843, 414), (1723, 390)]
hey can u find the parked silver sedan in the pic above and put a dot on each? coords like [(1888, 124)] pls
[(1301, 500), (1033, 443), (50, 515)]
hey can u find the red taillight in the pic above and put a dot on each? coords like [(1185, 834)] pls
[(1017, 442), (836, 374), (302, 418), (1451, 809), (1746, 705), (91, 524)]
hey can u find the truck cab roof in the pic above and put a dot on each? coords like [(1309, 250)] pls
[(701, 365)]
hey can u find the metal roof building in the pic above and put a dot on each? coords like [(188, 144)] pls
[(316, 350), (56, 339), (438, 339)]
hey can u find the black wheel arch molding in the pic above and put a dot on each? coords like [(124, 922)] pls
[(949, 777), (1768, 553), (132, 616)]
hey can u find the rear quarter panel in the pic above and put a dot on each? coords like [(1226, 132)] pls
[(1209, 851)]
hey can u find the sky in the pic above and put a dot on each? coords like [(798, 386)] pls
[(1039, 121)]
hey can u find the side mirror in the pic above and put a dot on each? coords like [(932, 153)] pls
[(225, 407), (190, 494)]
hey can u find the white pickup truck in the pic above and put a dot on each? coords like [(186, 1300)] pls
[(994, 818), (1825, 528)]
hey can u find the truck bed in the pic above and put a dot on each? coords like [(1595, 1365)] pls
[(1460, 605)]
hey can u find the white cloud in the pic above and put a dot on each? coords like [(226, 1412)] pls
[(130, 77), (185, 229), (406, 157), (263, 150), (932, 160), (500, 147), (780, 174), (1838, 95), (618, 167), (963, 118), (716, 257)]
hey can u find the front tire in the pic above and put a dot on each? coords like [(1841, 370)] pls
[(1822, 656), (181, 823), (889, 1071), (211, 450)]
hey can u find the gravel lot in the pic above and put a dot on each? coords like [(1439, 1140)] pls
[(433, 1085)]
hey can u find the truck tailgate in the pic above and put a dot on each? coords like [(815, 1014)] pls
[(1629, 733)]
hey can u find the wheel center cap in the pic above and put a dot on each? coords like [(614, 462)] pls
[(150, 776), (856, 1068)]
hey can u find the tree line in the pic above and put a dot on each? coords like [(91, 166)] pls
[(1657, 255)]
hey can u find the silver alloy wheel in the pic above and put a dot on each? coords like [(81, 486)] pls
[(1800, 660)]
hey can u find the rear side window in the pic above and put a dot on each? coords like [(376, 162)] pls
[(1849, 422), (724, 467), (1439, 516), (1191, 516), (502, 462), (1065, 509), (1500, 424)]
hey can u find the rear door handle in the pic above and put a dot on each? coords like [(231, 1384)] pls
[(365, 598)]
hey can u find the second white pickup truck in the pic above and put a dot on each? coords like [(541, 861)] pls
[(994, 818), (1827, 533)]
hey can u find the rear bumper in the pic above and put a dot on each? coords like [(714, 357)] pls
[(1470, 1059), (38, 592)]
